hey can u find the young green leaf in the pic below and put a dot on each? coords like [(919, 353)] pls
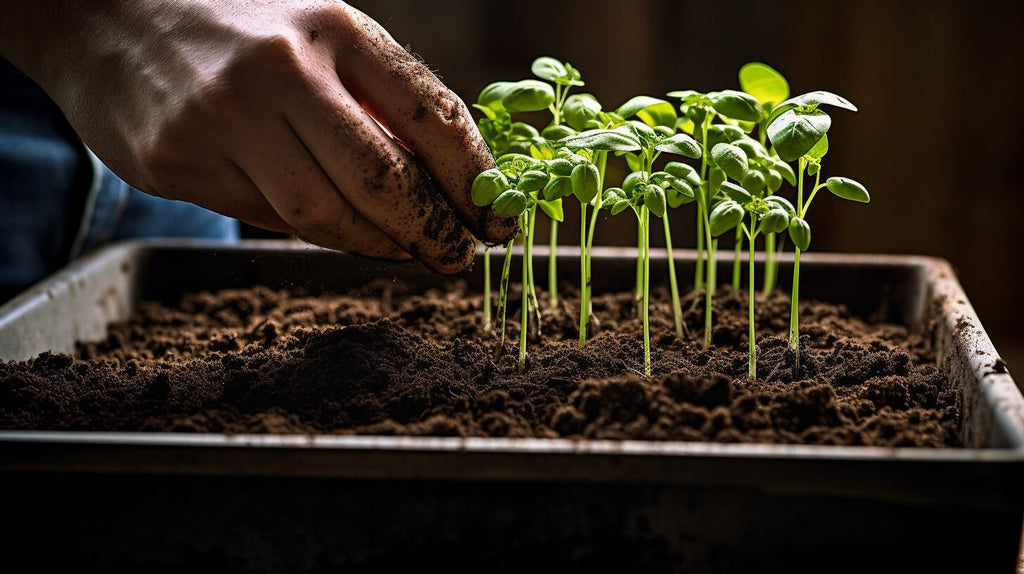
[(613, 195), (553, 209), (548, 68), (523, 130), (737, 105), (775, 221), (721, 133), (510, 203), (793, 134), (810, 102), (557, 188), (652, 111), (819, 150), (487, 186), (560, 166), (751, 147), (753, 181), (736, 193), (715, 179), (817, 98), (800, 233), (773, 180), (764, 83), (492, 94), (684, 172), (586, 182), (541, 150), (532, 181), (527, 96), (554, 133), (731, 159), (847, 188), (675, 198), (580, 109), (631, 180), (725, 216), (654, 199), (488, 112), (785, 170), (602, 140), (777, 202), (680, 144)]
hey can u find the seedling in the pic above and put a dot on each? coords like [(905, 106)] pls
[(660, 115), (569, 115), (564, 77), (700, 112), (517, 187), (767, 215), (770, 88), (642, 191), (751, 165), (798, 131), (733, 189)]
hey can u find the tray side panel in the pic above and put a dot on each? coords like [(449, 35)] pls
[(158, 523), (75, 304)]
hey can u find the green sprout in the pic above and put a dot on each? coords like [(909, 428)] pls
[(497, 102), (770, 88), (643, 190), (734, 187), (564, 77), (700, 112), (767, 215), (659, 115), (517, 187), (798, 131), (582, 112), (751, 165)]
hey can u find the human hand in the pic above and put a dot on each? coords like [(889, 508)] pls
[(265, 111)]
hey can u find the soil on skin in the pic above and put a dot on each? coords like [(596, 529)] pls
[(384, 361)]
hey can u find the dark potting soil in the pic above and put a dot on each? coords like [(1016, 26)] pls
[(386, 361)]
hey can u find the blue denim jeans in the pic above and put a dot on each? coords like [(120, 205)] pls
[(58, 201)]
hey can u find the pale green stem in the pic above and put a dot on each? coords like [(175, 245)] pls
[(698, 276), (645, 223), (714, 268), (638, 292), (814, 192), (702, 208), (770, 264), (487, 289), (677, 309), (602, 162), (709, 286), (737, 273), (503, 294), (751, 335), (533, 301), (584, 315), (527, 280), (553, 267), (794, 311)]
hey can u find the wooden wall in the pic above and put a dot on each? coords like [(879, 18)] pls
[(938, 139)]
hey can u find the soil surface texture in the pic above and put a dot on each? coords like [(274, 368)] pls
[(383, 360)]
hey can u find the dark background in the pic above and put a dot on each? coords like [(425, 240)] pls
[(939, 85)]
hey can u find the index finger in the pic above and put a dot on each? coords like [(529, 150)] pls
[(404, 95)]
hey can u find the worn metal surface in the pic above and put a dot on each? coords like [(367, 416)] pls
[(858, 484)]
